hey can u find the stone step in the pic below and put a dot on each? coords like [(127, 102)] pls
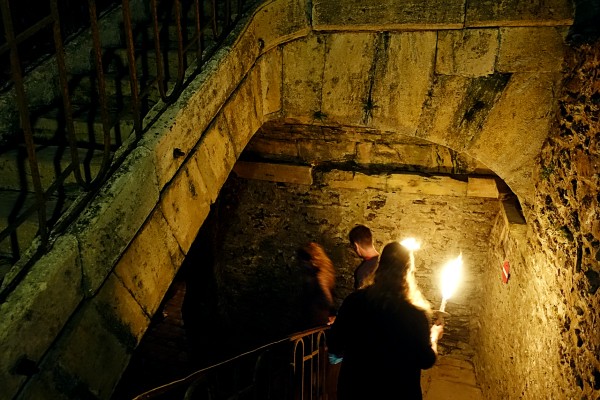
[(52, 160), (5, 265), (146, 62), (87, 122), (85, 88), (188, 31), (12, 204)]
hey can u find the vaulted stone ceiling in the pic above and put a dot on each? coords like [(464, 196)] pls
[(481, 92)]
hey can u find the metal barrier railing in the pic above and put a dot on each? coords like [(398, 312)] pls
[(214, 17), (292, 368)]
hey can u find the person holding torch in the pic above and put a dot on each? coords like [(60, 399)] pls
[(384, 338)]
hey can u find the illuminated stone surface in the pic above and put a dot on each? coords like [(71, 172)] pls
[(274, 172), (500, 118), (185, 204), (143, 270)]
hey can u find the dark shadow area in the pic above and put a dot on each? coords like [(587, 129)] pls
[(586, 25)]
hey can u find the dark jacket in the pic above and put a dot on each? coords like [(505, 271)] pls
[(384, 348), (363, 274)]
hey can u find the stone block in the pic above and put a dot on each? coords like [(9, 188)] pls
[(271, 74), (346, 77), (365, 152), (511, 214), (37, 310), (122, 312), (437, 120), (179, 128), (469, 52), (280, 21), (414, 155), (350, 180), (243, 111), (182, 124), (321, 150), (531, 50), (43, 386), (72, 369), (519, 13), (215, 156), (111, 221), (524, 125), (482, 187), (272, 147), (303, 63), (297, 174), (437, 185), (396, 154), (402, 81), (150, 262), (185, 203), (387, 15)]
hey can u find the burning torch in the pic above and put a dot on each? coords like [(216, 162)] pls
[(450, 279), (411, 244)]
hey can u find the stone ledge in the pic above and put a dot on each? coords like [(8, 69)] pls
[(35, 313), (396, 14), (405, 183), (482, 187), (436, 185), (185, 203), (109, 224), (145, 271), (519, 13), (274, 172), (511, 214)]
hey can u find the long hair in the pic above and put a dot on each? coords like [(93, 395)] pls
[(394, 278), (315, 254)]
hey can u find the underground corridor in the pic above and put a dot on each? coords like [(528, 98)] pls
[(240, 283), (471, 129)]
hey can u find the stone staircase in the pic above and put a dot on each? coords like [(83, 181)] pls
[(49, 122)]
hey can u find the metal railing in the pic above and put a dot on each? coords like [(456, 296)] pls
[(199, 25), (292, 368)]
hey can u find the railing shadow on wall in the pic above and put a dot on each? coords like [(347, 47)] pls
[(294, 368), (177, 36)]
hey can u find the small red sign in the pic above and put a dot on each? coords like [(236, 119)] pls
[(505, 271)]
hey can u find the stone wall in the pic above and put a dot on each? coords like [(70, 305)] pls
[(268, 221), (100, 282), (543, 325)]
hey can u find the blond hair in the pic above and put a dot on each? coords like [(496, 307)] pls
[(324, 267)]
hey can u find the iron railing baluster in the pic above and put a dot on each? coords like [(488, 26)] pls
[(160, 71), (199, 34), (25, 118), (14, 48), (64, 86), (133, 81), (294, 354), (101, 88)]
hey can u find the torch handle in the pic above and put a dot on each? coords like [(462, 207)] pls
[(443, 306)]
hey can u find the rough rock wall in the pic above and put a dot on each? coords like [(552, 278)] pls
[(544, 324), (259, 278)]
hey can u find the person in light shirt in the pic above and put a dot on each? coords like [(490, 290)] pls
[(361, 240)]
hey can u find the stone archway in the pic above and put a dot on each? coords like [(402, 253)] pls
[(97, 288)]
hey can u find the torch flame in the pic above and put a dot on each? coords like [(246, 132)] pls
[(411, 244), (451, 277)]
